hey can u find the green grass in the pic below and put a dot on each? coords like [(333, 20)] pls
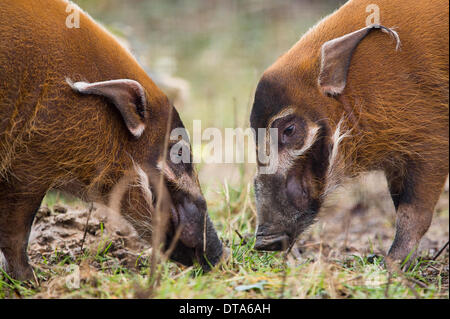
[(354, 278), (246, 274), (221, 51)]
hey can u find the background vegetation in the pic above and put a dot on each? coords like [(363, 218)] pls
[(214, 52)]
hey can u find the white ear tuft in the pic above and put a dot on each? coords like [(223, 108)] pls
[(127, 95), (336, 56), (137, 132), (80, 86)]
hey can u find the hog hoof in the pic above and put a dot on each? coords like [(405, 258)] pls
[(396, 265), (24, 274), (17, 272), (401, 259)]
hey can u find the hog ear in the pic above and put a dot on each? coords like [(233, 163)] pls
[(127, 95), (336, 57)]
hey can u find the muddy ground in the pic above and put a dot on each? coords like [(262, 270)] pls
[(358, 220), (69, 231)]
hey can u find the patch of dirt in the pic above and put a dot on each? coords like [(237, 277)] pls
[(359, 219), (60, 232)]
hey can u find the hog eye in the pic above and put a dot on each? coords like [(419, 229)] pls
[(180, 152), (289, 131)]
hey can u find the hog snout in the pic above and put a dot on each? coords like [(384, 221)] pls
[(267, 240), (297, 193), (210, 252), (286, 206), (191, 216), (191, 220)]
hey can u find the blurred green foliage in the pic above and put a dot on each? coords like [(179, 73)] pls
[(220, 47)]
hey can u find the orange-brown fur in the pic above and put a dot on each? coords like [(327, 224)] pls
[(398, 115), (394, 106), (36, 99), (54, 137)]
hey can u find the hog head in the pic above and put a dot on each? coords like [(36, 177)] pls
[(159, 193), (303, 104), (288, 198)]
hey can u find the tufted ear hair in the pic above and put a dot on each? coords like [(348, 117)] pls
[(336, 55), (128, 96)]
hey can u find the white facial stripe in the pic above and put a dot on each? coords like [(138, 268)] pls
[(165, 169), (284, 112), (285, 161), (337, 139), (127, 181), (309, 140), (117, 193), (183, 182), (144, 184), (336, 167)]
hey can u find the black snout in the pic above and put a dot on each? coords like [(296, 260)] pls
[(191, 218), (271, 242)]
